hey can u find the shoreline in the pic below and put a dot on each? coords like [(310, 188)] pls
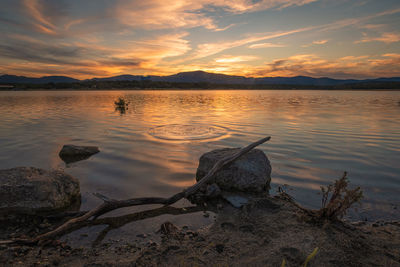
[(197, 89), (265, 232)]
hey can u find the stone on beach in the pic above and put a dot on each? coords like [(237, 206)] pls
[(249, 173), (29, 190), (72, 153)]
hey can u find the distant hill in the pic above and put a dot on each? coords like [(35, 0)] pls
[(198, 77), (4, 79)]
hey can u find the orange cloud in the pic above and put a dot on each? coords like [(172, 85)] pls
[(208, 49), (386, 37), (346, 67), (35, 9), (266, 45), (320, 42), (159, 14), (234, 59)]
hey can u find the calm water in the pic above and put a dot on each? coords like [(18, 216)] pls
[(153, 148)]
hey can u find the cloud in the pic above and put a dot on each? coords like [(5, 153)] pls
[(145, 54), (320, 42), (266, 45), (44, 15), (386, 37), (160, 14), (387, 65), (105, 37), (208, 49), (234, 59), (372, 26), (163, 46)]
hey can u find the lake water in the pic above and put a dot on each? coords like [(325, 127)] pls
[(152, 149)]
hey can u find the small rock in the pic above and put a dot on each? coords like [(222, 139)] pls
[(72, 153)]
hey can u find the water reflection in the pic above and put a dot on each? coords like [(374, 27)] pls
[(316, 135)]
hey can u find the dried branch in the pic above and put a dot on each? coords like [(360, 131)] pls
[(112, 204)]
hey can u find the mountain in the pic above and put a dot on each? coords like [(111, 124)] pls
[(205, 77), (120, 78), (46, 79), (198, 77), (215, 78)]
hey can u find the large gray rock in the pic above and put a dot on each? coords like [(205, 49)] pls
[(72, 153), (29, 190), (249, 173)]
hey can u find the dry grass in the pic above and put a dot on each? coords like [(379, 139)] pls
[(337, 199)]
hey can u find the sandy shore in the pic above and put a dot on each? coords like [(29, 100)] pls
[(263, 233)]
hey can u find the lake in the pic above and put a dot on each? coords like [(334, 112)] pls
[(153, 147)]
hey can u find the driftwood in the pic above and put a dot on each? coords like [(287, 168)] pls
[(112, 204)]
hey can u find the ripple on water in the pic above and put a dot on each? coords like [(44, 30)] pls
[(188, 132)]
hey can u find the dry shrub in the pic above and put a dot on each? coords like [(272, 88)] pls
[(337, 199)]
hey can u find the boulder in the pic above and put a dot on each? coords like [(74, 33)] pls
[(28, 190), (72, 153), (249, 173), (212, 191)]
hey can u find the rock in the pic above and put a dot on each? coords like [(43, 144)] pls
[(72, 153), (249, 173), (213, 191), (28, 190)]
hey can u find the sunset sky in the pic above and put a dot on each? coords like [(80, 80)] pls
[(99, 38)]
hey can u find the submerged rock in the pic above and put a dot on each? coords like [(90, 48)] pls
[(249, 173), (28, 190), (72, 153)]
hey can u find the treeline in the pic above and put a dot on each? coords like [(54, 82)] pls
[(139, 85)]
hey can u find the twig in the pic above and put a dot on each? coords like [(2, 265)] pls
[(112, 204)]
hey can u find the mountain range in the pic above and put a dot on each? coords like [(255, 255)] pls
[(197, 77)]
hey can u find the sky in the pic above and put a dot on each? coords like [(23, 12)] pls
[(254, 38)]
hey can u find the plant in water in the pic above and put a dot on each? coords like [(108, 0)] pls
[(121, 105), (337, 199)]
